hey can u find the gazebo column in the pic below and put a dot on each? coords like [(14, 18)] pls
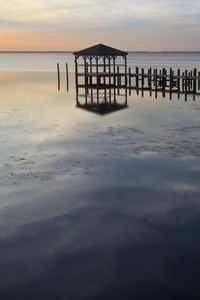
[(76, 77), (114, 78), (97, 78), (109, 65), (91, 70), (104, 78), (126, 94), (104, 69), (86, 78), (85, 70), (125, 58)]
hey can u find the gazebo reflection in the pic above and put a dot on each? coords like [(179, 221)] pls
[(104, 101)]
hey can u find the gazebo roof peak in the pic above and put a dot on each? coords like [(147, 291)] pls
[(100, 50)]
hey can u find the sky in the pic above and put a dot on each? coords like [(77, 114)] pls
[(138, 25)]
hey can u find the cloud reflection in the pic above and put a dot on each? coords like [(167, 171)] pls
[(106, 225)]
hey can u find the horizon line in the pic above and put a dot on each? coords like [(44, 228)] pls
[(71, 51)]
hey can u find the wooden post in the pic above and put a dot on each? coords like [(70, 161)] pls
[(58, 72), (170, 82), (67, 77), (149, 78), (162, 79), (183, 82), (189, 81), (163, 82), (109, 66), (129, 81), (137, 77), (86, 81), (171, 79), (165, 73), (179, 82), (195, 81), (85, 78), (186, 81), (142, 79), (110, 80), (178, 79), (85, 71), (97, 71), (118, 91), (155, 81), (91, 71), (114, 71), (125, 66), (104, 69), (76, 77), (110, 95), (198, 80)]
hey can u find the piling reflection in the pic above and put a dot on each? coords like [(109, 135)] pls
[(163, 94)]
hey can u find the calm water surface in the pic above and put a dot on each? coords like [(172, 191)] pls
[(96, 207)]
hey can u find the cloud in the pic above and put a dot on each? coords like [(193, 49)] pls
[(73, 15), (72, 24)]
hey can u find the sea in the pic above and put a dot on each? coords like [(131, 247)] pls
[(97, 205), (46, 61)]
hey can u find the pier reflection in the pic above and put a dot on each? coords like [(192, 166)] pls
[(163, 94)]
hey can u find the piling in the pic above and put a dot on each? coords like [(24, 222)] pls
[(67, 77), (58, 72), (142, 79), (118, 81), (195, 81), (137, 77), (198, 80), (149, 78), (156, 80), (129, 82)]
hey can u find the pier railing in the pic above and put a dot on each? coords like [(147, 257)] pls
[(164, 80), (140, 79)]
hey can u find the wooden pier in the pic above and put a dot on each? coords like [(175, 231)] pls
[(165, 80), (100, 69)]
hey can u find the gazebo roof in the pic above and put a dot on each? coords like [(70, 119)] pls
[(100, 50)]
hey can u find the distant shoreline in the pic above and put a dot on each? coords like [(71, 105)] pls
[(6, 52)]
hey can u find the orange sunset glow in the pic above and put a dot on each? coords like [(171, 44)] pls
[(69, 25)]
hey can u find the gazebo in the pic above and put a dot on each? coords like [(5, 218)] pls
[(100, 68)]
